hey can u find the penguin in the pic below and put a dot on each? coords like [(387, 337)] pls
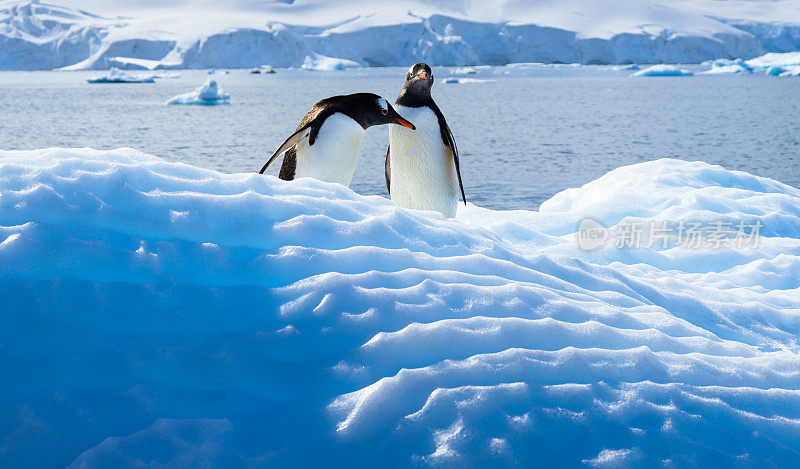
[(422, 167), (326, 143)]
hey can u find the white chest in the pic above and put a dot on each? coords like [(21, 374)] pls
[(333, 156), (422, 166)]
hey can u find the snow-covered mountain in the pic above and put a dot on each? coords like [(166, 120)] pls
[(36, 35)]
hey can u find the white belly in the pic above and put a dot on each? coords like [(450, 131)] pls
[(422, 167), (333, 156)]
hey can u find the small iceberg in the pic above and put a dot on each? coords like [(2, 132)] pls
[(323, 63), (464, 71), (262, 69), (663, 70), (775, 59), (733, 69), (775, 71), (465, 80), (116, 75), (208, 94), (632, 67)]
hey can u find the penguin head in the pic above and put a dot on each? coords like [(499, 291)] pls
[(419, 79), (374, 110)]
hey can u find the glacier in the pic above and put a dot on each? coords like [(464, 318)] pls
[(35, 35), (156, 313)]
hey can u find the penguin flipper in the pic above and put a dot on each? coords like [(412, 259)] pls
[(289, 143), (387, 171), (447, 136), (289, 165)]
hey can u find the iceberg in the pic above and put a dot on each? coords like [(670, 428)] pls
[(775, 60), (722, 63), (118, 76), (465, 80), (208, 94), (464, 71), (663, 70), (733, 69), (156, 313), (327, 64)]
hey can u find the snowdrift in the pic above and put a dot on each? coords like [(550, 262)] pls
[(158, 313), (321, 34)]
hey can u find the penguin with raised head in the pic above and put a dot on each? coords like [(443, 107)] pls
[(422, 169), (326, 143)]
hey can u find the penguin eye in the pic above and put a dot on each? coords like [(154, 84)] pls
[(384, 111)]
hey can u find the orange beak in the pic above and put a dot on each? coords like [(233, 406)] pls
[(405, 123), (423, 76)]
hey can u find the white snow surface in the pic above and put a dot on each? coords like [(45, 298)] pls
[(202, 34), (209, 93), (156, 313)]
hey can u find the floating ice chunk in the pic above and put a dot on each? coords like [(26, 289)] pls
[(208, 94), (722, 63), (792, 71), (116, 75), (322, 63), (663, 70), (775, 70), (775, 59), (464, 71), (465, 80), (733, 69)]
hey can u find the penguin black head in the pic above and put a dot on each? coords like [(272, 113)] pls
[(371, 109), (419, 79)]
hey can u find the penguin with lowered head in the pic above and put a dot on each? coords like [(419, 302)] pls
[(422, 169), (326, 143)]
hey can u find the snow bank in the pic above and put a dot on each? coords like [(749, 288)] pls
[(663, 71), (117, 76), (157, 313), (208, 94), (442, 32)]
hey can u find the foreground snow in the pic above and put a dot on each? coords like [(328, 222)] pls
[(292, 34), (208, 94), (158, 313)]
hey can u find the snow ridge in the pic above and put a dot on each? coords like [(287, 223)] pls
[(158, 313)]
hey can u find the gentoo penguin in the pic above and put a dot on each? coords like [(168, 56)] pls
[(326, 143), (422, 166)]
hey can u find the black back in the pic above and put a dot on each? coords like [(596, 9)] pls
[(351, 105)]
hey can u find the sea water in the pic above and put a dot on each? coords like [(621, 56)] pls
[(524, 132)]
